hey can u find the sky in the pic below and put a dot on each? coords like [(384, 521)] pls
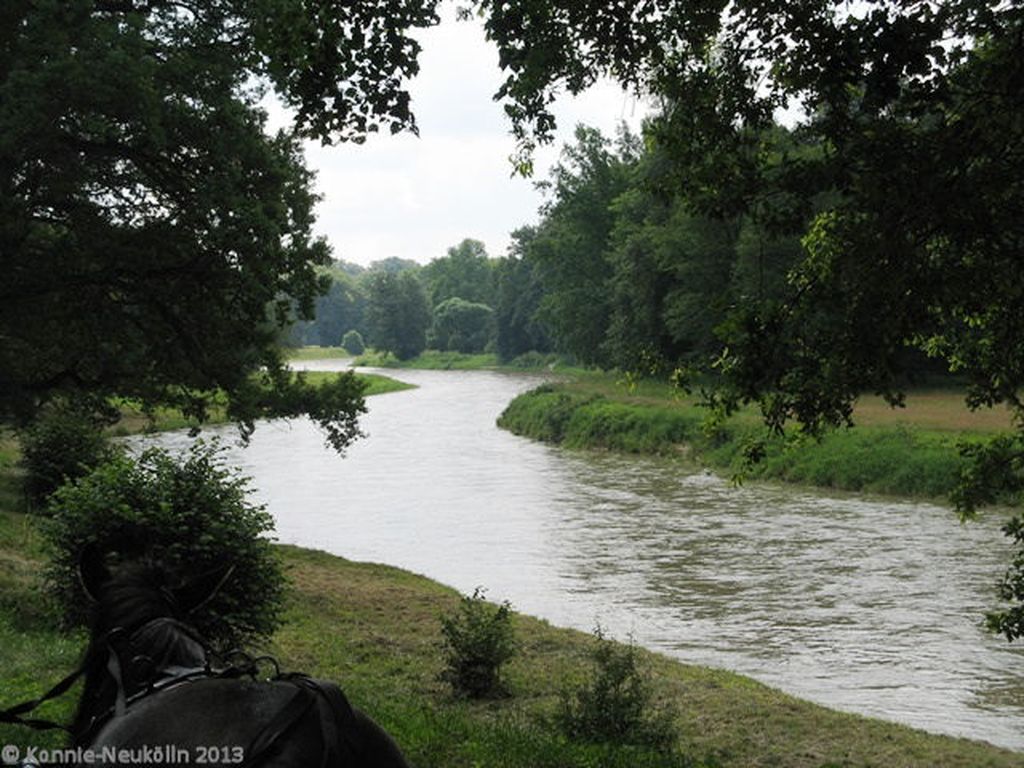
[(415, 197)]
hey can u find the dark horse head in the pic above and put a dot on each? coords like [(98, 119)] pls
[(151, 680)]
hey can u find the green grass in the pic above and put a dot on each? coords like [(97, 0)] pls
[(437, 360), (431, 359), (317, 353), (134, 420), (376, 631), (910, 452)]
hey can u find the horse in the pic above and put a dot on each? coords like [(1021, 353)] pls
[(155, 693)]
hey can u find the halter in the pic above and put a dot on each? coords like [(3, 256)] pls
[(114, 641), (241, 664)]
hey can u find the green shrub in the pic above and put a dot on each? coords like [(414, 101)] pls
[(190, 514), (352, 341), (616, 705), (478, 640), (62, 444)]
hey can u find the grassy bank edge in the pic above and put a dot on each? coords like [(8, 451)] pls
[(134, 421), (892, 459), (375, 630)]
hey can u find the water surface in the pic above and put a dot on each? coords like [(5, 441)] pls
[(863, 605)]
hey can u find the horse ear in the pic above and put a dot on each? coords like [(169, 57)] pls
[(92, 571), (200, 590)]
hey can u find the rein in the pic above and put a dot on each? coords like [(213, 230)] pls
[(337, 720), (114, 642)]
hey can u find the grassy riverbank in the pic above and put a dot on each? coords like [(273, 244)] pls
[(133, 420), (436, 360), (375, 630), (909, 452)]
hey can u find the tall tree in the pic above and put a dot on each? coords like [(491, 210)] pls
[(462, 326), (397, 314), (519, 295), (915, 195), (153, 236), (465, 272), (571, 244)]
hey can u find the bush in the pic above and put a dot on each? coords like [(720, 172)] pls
[(191, 515), (352, 341), (615, 706), (62, 444), (478, 639)]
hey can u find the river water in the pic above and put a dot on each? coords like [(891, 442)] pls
[(867, 606)]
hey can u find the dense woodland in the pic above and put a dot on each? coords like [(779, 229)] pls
[(618, 273)]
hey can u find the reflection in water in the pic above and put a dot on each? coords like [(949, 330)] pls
[(872, 607)]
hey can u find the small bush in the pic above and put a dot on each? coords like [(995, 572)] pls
[(62, 444), (352, 341), (192, 514), (615, 706), (478, 640)]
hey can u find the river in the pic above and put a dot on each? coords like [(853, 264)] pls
[(869, 606)]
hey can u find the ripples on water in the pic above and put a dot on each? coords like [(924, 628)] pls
[(873, 607)]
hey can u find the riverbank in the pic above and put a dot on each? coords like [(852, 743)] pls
[(375, 630), (911, 452), (133, 420), (437, 360)]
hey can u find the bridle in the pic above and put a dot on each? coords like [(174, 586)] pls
[(122, 665), (116, 642)]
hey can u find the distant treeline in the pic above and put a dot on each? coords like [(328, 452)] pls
[(619, 272), (465, 301)]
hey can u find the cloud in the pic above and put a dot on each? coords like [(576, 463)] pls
[(415, 197)]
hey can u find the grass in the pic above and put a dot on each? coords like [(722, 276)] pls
[(437, 360), (376, 631), (907, 452), (430, 359), (317, 353), (134, 420)]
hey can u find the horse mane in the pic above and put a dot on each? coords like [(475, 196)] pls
[(138, 592), (128, 603)]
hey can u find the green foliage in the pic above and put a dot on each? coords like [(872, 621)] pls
[(461, 326), (894, 261), (157, 237), (1009, 622), (192, 514), (568, 248), (341, 308), (587, 420), (398, 314), (466, 272), (63, 444), (519, 291), (478, 640), (352, 341), (616, 704), (892, 460)]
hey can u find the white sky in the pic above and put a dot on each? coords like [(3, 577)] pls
[(416, 197)]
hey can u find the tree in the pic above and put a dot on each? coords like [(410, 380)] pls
[(352, 342), (910, 204), (398, 314), (465, 272), (153, 236), (462, 326), (341, 308), (570, 246), (519, 294)]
